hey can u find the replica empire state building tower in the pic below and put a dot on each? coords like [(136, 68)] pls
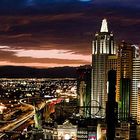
[(103, 59)]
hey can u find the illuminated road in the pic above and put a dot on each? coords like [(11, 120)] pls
[(19, 121), (11, 125)]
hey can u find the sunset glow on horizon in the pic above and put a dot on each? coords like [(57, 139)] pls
[(60, 33)]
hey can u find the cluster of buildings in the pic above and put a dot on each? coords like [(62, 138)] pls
[(110, 88), (108, 93)]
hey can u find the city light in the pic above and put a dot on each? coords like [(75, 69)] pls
[(64, 72)]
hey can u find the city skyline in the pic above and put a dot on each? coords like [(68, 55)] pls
[(60, 32)]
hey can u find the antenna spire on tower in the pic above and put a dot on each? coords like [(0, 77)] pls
[(104, 27)]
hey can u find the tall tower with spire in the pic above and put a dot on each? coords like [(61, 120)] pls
[(103, 59)]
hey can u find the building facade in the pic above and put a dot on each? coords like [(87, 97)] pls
[(84, 90), (135, 82), (138, 105), (67, 131), (124, 79), (103, 47)]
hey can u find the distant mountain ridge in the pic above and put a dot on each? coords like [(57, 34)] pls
[(29, 72)]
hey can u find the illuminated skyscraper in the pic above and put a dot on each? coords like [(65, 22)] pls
[(138, 104), (103, 60), (135, 82), (124, 79)]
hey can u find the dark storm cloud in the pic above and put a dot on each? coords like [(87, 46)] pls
[(40, 31), (64, 25)]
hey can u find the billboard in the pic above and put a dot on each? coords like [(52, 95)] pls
[(92, 136)]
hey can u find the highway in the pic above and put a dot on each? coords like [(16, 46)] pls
[(23, 118), (12, 125)]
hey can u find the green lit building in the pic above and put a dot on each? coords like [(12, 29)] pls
[(84, 90), (124, 80), (125, 90)]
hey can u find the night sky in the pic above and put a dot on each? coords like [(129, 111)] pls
[(50, 33)]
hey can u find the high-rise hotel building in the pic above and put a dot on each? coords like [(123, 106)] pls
[(124, 79), (103, 60), (135, 97), (138, 104)]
